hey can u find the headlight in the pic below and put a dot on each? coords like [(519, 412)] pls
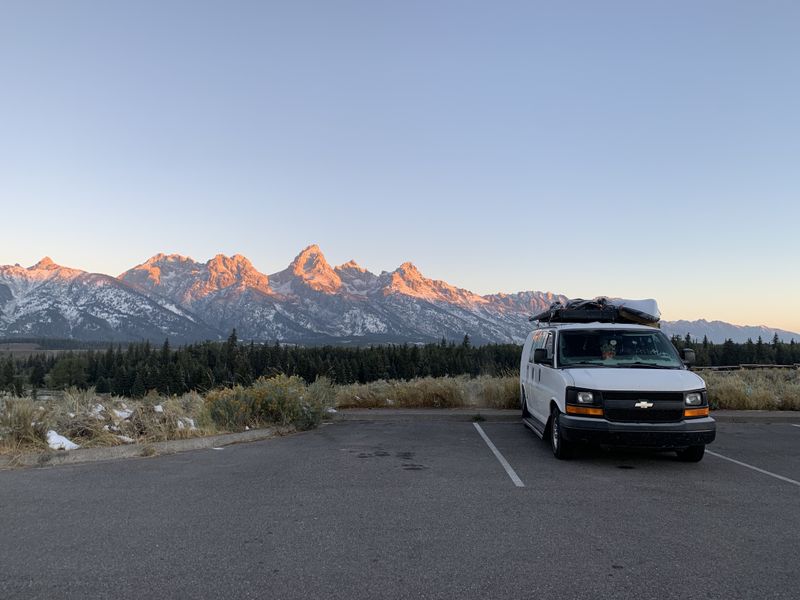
[(585, 398), (693, 399)]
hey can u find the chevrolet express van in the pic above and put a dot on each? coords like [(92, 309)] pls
[(612, 383)]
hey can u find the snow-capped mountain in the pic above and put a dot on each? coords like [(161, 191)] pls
[(308, 302), (719, 331), (47, 300)]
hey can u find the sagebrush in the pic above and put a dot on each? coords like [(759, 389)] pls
[(281, 400), (762, 389)]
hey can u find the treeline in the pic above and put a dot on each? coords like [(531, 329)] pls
[(135, 369), (139, 368), (730, 353)]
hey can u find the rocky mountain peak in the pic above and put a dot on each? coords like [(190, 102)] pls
[(351, 265), (311, 267), (186, 281), (173, 295), (409, 281), (151, 270), (409, 269), (225, 271), (161, 258), (46, 264)]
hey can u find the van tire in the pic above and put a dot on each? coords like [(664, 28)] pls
[(691, 454), (525, 413), (562, 449)]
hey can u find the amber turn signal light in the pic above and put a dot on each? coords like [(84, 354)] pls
[(584, 410), (696, 412)]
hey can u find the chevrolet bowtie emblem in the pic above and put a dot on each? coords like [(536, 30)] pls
[(643, 404)]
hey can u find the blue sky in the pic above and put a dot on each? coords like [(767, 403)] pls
[(641, 149)]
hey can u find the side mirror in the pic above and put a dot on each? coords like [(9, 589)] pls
[(540, 356), (687, 354)]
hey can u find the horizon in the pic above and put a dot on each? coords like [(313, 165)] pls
[(628, 150)]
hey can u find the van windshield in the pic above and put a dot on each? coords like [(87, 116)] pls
[(618, 348)]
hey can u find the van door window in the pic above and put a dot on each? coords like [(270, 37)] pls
[(549, 344), (537, 343)]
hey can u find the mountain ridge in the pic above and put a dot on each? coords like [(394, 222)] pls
[(310, 301)]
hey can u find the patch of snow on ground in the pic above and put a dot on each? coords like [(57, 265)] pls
[(123, 414), (97, 409), (59, 442), (125, 439), (158, 408)]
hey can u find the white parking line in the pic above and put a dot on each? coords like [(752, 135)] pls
[(794, 425), (738, 462), (511, 473)]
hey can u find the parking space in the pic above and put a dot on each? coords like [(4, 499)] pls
[(771, 446), (774, 448), (413, 509)]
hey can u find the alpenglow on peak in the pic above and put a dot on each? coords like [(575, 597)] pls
[(46, 264), (311, 267)]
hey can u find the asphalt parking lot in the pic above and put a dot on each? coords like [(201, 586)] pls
[(411, 509)]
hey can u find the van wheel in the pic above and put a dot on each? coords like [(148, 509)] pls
[(691, 454), (562, 449), (525, 413)]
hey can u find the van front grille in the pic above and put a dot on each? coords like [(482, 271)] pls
[(667, 407)]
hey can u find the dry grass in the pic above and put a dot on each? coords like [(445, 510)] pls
[(432, 392), (90, 420), (763, 389), (277, 400), (23, 423)]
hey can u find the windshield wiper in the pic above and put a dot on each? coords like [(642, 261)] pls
[(584, 363), (643, 365)]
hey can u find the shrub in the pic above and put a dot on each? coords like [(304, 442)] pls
[(763, 389), (498, 392), (21, 423), (319, 397), (278, 399), (230, 408), (152, 425)]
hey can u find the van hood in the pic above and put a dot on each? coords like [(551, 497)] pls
[(645, 380)]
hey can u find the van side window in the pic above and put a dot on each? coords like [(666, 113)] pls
[(537, 343), (549, 344)]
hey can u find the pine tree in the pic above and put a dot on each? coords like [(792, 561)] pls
[(102, 387), (7, 373), (36, 377), (137, 389)]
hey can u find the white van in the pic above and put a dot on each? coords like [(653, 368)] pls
[(614, 384)]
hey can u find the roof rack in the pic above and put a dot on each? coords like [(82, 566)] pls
[(601, 310)]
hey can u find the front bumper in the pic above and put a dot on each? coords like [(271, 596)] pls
[(691, 432)]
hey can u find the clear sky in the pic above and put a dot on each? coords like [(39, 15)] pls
[(638, 149)]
